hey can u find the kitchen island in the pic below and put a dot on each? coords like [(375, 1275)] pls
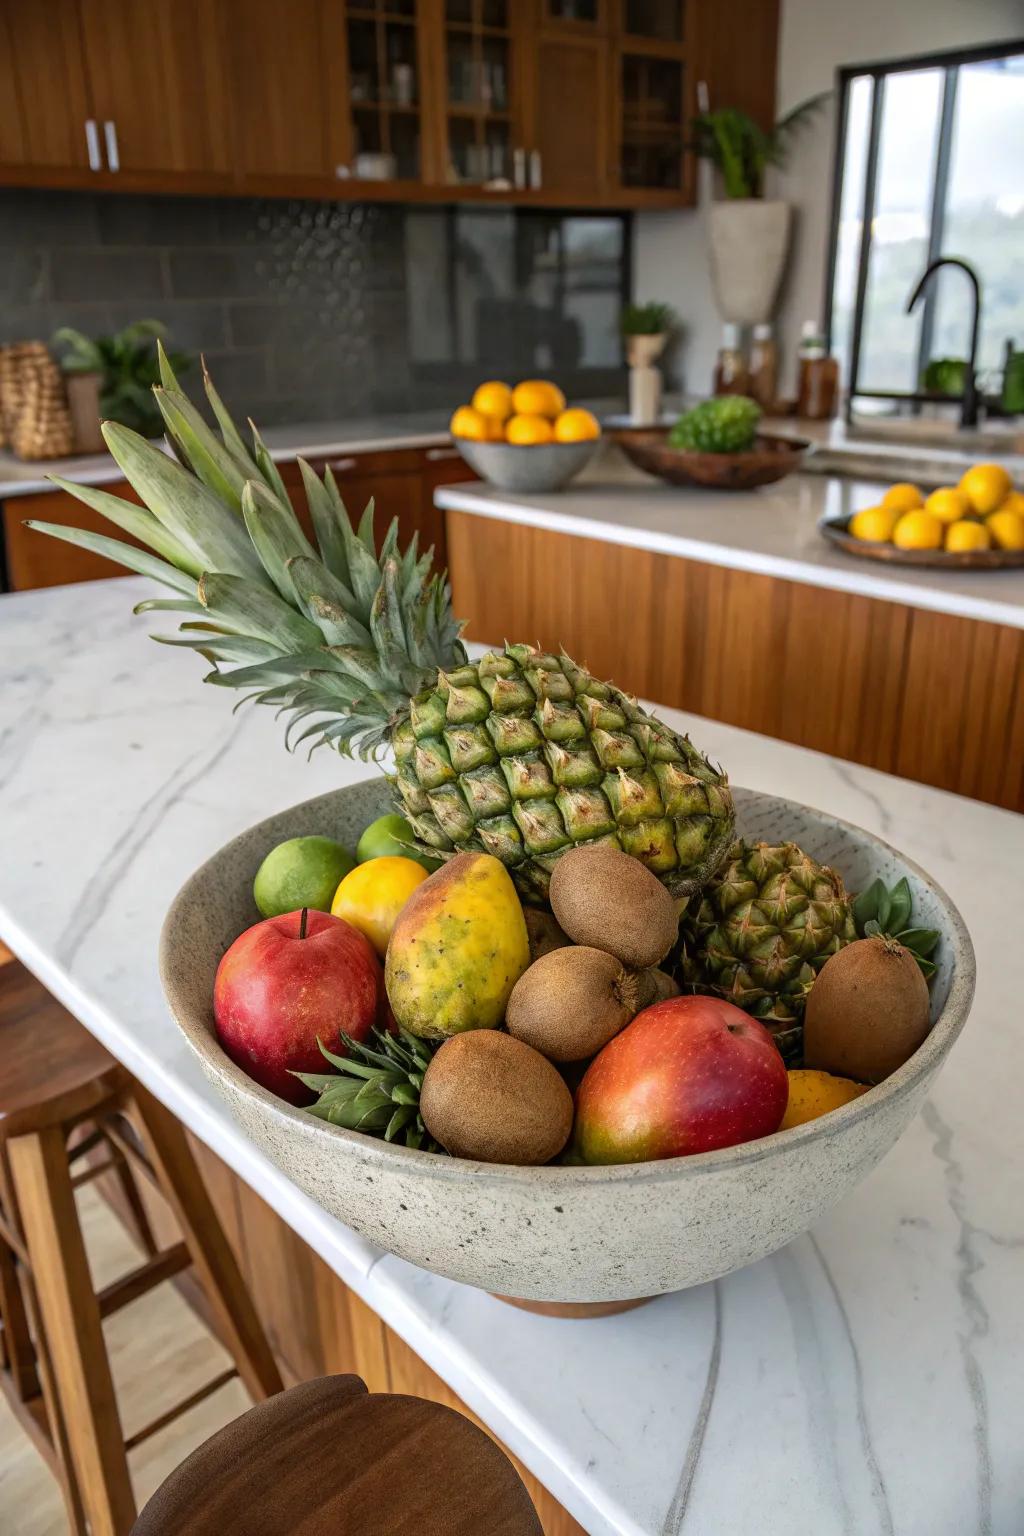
[(865, 1379), (732, 605)]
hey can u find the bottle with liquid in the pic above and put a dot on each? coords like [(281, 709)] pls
[(764, 368), (731, 377), (818, 381)]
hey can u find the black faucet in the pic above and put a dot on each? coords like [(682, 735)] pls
[(969, 406)]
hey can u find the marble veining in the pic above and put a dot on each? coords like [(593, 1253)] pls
[(866, 1379)]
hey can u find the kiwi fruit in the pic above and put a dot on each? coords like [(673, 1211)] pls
[(572, 1001), (489, 1097), (867, 1012), (543, 933), (665, 986), (605, 898)]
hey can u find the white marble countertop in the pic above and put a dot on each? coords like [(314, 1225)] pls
[(865, 1381), (771, 531), (311, 439)]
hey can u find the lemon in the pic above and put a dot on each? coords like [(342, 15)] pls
[(948, 504), (1007, 528), (812, 1094), (576, 426), (371, 896), (918, 530), (902, 497), (471, 423), (537, 397), (528, 429), (493, 399), (874, 524), (986, 486), (967, 534), (1013, 503)]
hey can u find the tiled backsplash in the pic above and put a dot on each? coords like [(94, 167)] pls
[(309, 310)]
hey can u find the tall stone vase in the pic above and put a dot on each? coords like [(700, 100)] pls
[(749, 242)]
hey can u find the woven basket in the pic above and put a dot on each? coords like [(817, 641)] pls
[(34, 418)]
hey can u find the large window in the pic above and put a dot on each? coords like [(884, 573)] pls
[(929, 164)]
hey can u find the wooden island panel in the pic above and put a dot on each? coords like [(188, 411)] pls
[(923, 695)]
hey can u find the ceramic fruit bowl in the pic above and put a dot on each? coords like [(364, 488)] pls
[(529, 469), (770, 459), (566, 1234)]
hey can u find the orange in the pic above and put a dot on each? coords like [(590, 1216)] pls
[(812, 1094), (967, 534), (537, 397), (986, 486), (1013, 503), (1007, 528), (902, 497), (874, 523), (918, 530), (948, 504), (493, 399), (467, 422), (576, 426), (528, 429), (371, 896)]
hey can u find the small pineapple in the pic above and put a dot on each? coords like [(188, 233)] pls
[(726, 424), (760, 932), (375, 1088), (522, 754)]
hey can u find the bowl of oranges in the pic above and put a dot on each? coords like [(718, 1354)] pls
[(524, 439), (976, 525)]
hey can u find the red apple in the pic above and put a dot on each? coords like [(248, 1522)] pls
[(286, 981), (687, 1075)]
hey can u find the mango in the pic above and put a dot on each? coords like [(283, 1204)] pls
[(457, 949)]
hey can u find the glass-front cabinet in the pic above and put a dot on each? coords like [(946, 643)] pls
[(483, 143), (385, 89), (654, 85)]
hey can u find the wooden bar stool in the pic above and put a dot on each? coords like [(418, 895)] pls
[(328, 1458), (63, 1097)]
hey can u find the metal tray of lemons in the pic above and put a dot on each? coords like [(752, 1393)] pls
[(976, 525)]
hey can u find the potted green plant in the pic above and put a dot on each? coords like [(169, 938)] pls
[(645, 329), (749, 233), (111, 378)]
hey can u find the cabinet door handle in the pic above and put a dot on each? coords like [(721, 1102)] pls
[(113, 158), (92, 144), (536, 179), (435, 455), (340, 466)]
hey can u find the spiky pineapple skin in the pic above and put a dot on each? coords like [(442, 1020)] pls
[(760, 932), (524, 755)]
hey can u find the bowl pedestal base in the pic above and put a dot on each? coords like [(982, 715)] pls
[(574, 1308)]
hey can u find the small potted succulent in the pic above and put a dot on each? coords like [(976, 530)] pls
[(111, 378), (748, 233), (645, 329)]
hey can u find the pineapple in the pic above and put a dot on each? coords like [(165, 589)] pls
[(522, 754), (761, 931), (375, 1088)]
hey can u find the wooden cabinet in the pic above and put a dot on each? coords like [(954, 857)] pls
[(44, 104), (285, 73), (34, 560), (572, 144)]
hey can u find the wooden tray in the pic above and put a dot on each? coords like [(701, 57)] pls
[(834, 530), (770, 459)]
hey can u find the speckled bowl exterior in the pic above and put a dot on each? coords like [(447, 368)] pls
[(530, 470), (553, 1233)]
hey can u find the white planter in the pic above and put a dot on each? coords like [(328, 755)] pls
[(749, 239), (642, 351)]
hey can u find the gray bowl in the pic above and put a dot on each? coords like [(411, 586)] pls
[(531, 470), (565, 1234)]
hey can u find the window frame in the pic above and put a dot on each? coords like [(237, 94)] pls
[(949, 61)]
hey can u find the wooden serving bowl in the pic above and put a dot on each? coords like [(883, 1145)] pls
[(835, 530), (770, 459), (562, 1234)]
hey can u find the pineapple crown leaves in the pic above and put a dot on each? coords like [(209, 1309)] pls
[(331, 629), (375, 1088), (883, 911)]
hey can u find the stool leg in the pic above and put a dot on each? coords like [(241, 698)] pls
[(71, 1319), (182, 1186)]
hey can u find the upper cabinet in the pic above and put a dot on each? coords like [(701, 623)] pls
[(572, 102)]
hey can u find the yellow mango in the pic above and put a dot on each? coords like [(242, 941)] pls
[(457, 950)]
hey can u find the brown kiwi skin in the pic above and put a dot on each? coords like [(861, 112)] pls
[(665, 986), (494, 1099), (605, 898), (572, 1001), (543, 933), (867, 1012)]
